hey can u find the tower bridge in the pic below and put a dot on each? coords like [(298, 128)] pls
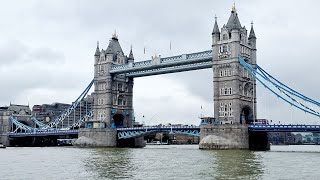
[(233, 60)]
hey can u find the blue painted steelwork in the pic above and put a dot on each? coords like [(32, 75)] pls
[(20, 125), (40, 124), (82, 120), (124, 133), (184, 62), (258, 75), (68, 111), (287, 88), (285, 128), (44, 133), (26, 128)]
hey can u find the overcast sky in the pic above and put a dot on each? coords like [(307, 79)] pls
[(47, 48)]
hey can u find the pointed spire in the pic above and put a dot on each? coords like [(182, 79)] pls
[(252, 34), (234, 7), (97, 50), (215, 28), (114, 35), (233, 22), (114, 45), (131, 54)]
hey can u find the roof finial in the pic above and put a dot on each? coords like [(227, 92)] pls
[(215, 28), (114, 35), (131, 53), (97, 53), (252, 34), (234, 7)]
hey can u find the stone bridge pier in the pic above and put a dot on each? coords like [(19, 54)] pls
[(228, 136)]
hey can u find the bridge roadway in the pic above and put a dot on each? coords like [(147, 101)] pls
[(124, 133)]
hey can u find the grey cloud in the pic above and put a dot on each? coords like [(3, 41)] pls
[(47, 55), (57, 41), (14, 51)]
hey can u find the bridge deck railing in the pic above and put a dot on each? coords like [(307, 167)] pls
[(164, 62)]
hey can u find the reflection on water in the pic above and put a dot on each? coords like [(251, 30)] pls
[(172, 162), (236, 164), (113, 163)]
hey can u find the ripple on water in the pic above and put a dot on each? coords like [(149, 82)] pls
[(156, 162)]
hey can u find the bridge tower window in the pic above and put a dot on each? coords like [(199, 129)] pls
[(120, 87), (121, 101), (225, 48), (224, 37)]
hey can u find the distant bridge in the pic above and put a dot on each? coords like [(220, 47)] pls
[(284, 128)]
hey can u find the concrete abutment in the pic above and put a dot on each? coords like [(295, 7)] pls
[(105, 137), (232, 136)]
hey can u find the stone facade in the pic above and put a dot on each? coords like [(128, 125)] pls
[(234, 88), (23, 115), (112, 93), (112, 96), (97, 137), (224, 136)]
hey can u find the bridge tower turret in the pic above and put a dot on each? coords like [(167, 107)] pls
[(234, 87), (112, 93)]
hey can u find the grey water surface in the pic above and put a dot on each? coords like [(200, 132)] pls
[(159, 162)]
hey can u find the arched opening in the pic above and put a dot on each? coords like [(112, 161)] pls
[(118, 120), (246, 115)]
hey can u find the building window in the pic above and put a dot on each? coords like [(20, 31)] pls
[(221, 73), (225, 73), (121, 101), (225, 49), (225, 109), (224, 37), (120, 87), (114, 100)]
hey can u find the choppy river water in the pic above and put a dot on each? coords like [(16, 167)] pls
[(159, 162)]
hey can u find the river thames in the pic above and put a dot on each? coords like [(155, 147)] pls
[(159, 162)]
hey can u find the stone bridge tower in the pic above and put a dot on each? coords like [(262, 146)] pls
[(112, 93), (234, 87), (112, 101)]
